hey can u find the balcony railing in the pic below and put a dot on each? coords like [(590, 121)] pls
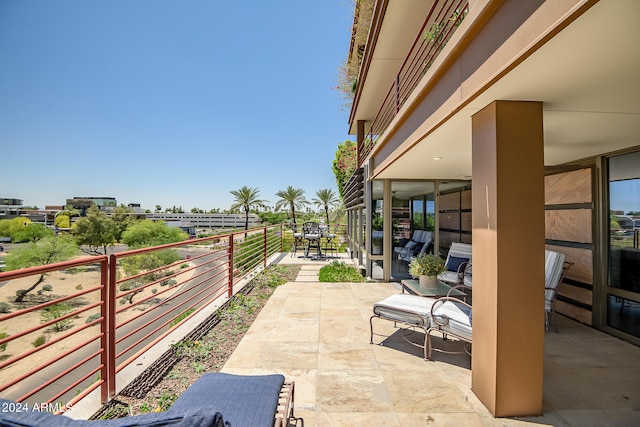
[(441, 22), (90, 318)]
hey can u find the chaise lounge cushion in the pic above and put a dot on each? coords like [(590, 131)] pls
[(454, 318), (244, 400), (17, 415), (411, 309)]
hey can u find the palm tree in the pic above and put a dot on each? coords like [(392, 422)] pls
[(293, 198), (246, 198), (326, 198)]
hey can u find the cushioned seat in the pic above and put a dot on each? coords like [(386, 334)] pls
[(457, 258), (409, 310), (215, 400), (450, 316)]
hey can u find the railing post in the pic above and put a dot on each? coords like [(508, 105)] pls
[(230, 290), (110, 322), (104, 341), (264, 232)]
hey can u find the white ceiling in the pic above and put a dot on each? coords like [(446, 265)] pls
[(588, 77)]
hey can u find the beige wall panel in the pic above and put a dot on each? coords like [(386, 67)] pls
[(465, 223), (466, 199), (575, 293), (582, 270), (446, 238), (449, 202), (577, 313), (572, 225), (450, 220), (568, 187)]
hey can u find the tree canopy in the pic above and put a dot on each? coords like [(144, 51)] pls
[(96, 231), (293, 198), (47, 250), (147, 233), (245, 199), (344, 164), (325, 199)]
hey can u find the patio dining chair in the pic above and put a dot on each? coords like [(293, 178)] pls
[(311, 232), (298, 239)]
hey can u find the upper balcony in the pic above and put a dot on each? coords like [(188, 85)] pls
[(416, 97)]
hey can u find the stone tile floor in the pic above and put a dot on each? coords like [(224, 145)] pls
[(318, 335)]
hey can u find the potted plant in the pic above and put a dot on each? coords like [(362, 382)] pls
[(426, 268)]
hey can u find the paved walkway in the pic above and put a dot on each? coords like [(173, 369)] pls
[(318, 335)]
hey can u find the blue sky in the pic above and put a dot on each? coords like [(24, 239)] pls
[(169, 102)]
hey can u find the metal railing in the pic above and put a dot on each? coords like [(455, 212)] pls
[(90, 318), (441, 22)]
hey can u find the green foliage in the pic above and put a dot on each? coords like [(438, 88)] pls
[(426, 265), (292, 198), (12, 227), (3, 335), (48, 250), (182, 316), (122, 217), (92, 318), (56, 311), (47, 288), (168, 282), (5, 307), (272, 217), (338, 271), (39, 341), (325, 199), (31, 233), (344, 164), (165, 400), (147, 233), (273, 277), (149, 261), (95, 231), (246, 198)]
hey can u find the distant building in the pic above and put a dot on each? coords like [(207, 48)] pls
[(105, 204), (10, 202), (216, 220)]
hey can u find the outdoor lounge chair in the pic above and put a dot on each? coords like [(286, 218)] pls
[(215, 400), (555, 267), (418, 245), (412, 311), (451, 317), (457, 259)]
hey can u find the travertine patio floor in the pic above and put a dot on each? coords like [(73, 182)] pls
[(317, 334)]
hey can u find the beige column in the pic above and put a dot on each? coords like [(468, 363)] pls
[(508, 257)]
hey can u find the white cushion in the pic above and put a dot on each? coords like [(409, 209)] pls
[(459, 319), (406, 308)]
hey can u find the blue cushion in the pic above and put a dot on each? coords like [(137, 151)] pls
[(21, 415), (453, 263), (244, 400)]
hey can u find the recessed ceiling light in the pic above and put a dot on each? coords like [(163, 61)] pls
[(437, 158)]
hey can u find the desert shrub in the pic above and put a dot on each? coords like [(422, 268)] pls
[(78, 287), (92, 318), (47, 288), (39, 341), (56, 311), (3, 335), (168, 282), (5, 307)]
